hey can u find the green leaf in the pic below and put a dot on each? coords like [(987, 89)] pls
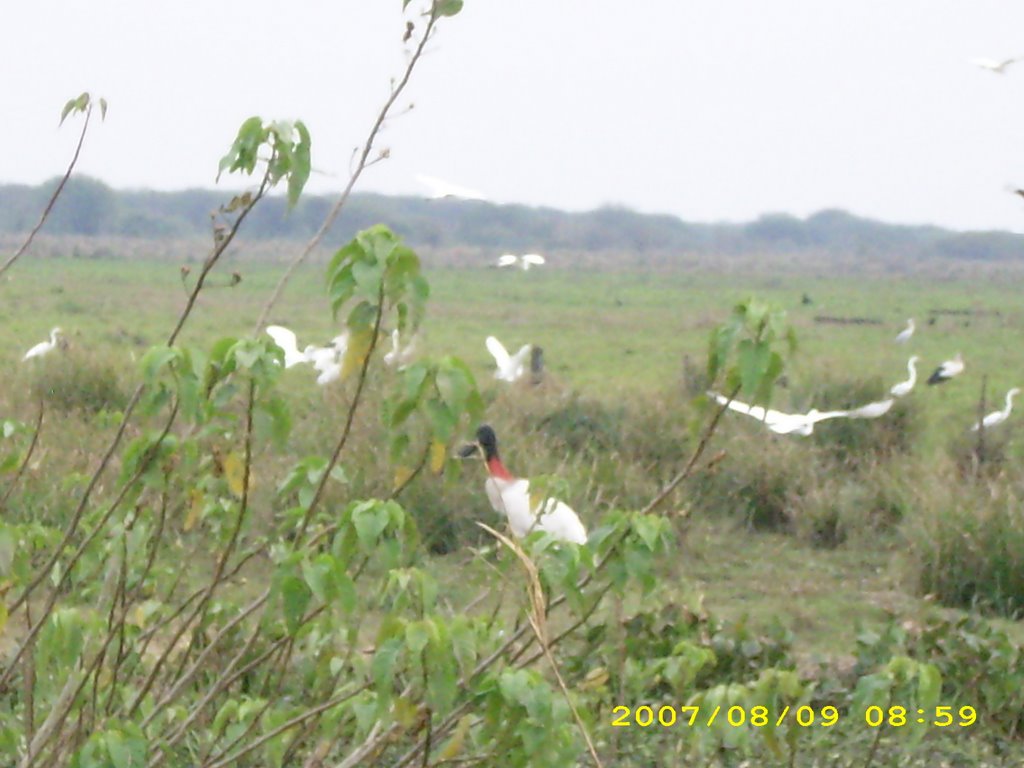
[(929, 685), (370, 519), (295, 596), (447, 7), (300, 165)]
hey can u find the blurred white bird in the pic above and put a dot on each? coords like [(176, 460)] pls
[(441, 189), (509, 367), (399, 355), (947, 370), (997, 66), (287, 341), (327, 360), (524, 262), (998, 417), (781, 423), (510, 496), (871, 410), (904, 387), (904, 336), (43, 347)]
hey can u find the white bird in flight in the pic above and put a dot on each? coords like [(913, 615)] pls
[(43, 347), (779, 422), (509, 367), (996, 66), (904, 336), (904, 387), (287, 341), (510, 495), (524, 262), (947, 370), (439, 188), (998, 417), (327, 360), (871, 410)]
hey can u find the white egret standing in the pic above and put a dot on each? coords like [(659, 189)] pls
[(998, 417), (904, 336), (286, 340), (947, 370), (904, 387), (43, 347), (510, 495), (510, 367)]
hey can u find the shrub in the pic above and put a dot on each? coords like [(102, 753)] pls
[(78, 381)]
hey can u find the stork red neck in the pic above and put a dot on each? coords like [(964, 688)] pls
[(497, 469)]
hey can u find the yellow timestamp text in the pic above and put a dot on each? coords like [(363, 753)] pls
[(667, 716)]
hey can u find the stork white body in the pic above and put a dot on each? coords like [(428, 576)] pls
[(904, 387), (904, 336), (43, 347), (512, 499), (509, 367), (947, 370), (998, 417)]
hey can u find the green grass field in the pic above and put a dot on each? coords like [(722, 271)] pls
[(822, 536)]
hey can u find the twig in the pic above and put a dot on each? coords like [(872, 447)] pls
[(354, 177), (53, 198), (28, 456)]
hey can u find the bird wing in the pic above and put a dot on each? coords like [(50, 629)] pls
[(533, 258), (286, 340), (507, 260), (768, 416), (498, 352), (871, 410)]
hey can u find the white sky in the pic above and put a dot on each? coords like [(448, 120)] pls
[(707, 109)]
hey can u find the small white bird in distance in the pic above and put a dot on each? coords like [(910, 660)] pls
[(286, 340), (996, 66), (399, 355), (998, 417), (43, 347), (904, 387), (947, 370), (904, 336), (510, 496), (440, 188), (778, 422), (524, 262), (509, 367)]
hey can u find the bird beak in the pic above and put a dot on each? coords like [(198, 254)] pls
[(469, 450)]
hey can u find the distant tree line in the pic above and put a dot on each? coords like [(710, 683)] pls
[(90, 207)]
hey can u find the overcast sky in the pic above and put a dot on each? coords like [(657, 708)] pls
[(710, 110)]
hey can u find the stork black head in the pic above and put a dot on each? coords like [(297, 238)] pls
[(486, 443)]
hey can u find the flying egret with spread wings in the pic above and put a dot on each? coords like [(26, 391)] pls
[(509, 367)]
